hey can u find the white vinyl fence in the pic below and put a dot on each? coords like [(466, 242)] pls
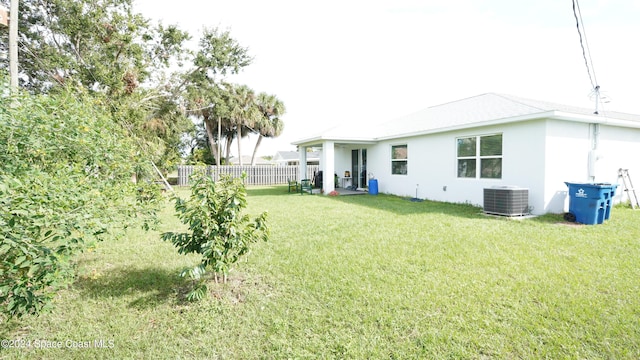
[(256, 175)]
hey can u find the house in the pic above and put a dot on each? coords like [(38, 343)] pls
[(293, 158), (246, 160), (451, 152)]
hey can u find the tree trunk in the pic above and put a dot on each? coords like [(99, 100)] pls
[(255, 150), (239, 139), (229, 142), (218, 149), (208, 126)]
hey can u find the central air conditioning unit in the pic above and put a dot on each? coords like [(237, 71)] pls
[(506, 200)]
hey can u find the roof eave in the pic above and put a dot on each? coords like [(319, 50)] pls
[(552, 114), (307, 141), (513, 119), (596, 119), (318, 140)]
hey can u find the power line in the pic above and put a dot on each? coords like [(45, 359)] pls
[(584, 44)]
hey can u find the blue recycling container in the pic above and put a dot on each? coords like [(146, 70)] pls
[(591, 203), (373, 186)]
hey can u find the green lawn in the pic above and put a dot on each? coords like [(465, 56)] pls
[(361, 277)]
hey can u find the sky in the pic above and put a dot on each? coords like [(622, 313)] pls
[(361, 62)]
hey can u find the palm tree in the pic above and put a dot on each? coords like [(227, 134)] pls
[(224, 124), (207, 101), (243, 112), (270, 124)]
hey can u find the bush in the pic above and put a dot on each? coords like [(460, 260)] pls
[(65, 179), (217, 228)]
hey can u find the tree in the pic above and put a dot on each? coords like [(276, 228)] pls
[(218, 230), (101, 45), (269, 124), (244, 113), (204, 101), (220, 54), (68, 186), (209, 98), (197, 151), (107, 50)]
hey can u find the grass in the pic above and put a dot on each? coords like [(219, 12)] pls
[(362, 277)]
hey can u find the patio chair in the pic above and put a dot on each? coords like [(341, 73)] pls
[(305, 186), (293, 184)]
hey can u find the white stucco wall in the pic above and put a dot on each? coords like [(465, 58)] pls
[(432, 165), (343, 159), (567, 159), (618, 148), (539, 155), (568, 148)]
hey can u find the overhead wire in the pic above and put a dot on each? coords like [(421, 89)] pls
[(584, 44), (586, 54)]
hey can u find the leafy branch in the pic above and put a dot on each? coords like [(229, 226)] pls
[(217, 228)]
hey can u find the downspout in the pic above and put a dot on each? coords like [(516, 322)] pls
[(594, 135), (594, 154)]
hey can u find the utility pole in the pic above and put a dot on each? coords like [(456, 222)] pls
[(13, 45), (10, 18)]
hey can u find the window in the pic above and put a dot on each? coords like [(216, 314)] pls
[(480, 156), (399, 160)]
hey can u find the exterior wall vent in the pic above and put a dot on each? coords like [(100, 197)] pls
[(506, 201)]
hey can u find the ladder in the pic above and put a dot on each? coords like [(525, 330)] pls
[(627, 186)]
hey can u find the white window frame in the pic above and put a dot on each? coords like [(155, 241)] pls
[(405, 160), (477, 158)]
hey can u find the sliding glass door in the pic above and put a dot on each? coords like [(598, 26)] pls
[(359, 167)]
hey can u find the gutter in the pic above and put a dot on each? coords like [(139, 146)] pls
[(320, 139), (509, 120), (602, 119), (553, 114)]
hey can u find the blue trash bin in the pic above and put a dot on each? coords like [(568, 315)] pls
[(608, 195), (373, 186), (591, 203)]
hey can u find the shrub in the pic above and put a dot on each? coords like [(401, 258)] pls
[(217, 228), (65, 170)]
